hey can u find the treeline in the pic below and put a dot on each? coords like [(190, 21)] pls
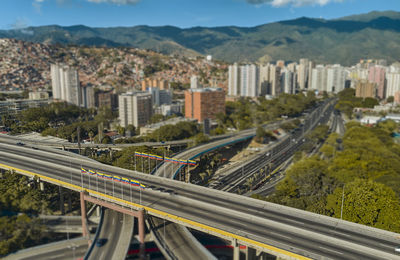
[(21, 200), (362, 168), (245, 113), (348, 101), (61, 120)]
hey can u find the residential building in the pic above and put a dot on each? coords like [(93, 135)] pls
[(204, 103), (38, 95), (275, 81), (65, 84), (365, 89), (13, 107), (194, 82), (393, 83), (335, 79), (154, 83), (88, 97), (288, 82), (171, 109), (234, 80), (302, 73), (249, 78), (376, 74), (319, 78), (135, 108)]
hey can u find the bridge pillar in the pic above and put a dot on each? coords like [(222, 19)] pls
[(236, 250), (62, 208), (41, 185), (83, 216), (251, 253), (142, 233)]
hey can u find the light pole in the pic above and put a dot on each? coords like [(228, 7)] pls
[(341, 209)]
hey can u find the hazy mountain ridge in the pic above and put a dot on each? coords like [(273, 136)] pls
[(345, 40)]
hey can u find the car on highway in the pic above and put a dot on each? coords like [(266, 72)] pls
[(20, 143), (101, 241), (397, 249)]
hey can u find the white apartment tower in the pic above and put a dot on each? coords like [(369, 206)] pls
[(319, 78), (65, 84), (249, 80), (135, 108), (234, 80), (336, 79)]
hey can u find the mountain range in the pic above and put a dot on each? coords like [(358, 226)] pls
[(374, 35)]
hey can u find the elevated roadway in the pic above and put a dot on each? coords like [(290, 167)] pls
[(272, 228), (64, 250)]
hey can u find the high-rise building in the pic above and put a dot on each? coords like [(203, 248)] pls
[(376, 74), (65, 84), (160, 97), (249, 80), (88, 98), (275, 80), (135, 108), (204, 103), (393, 83), (194, 82), (365, 89), (234, 80), (288, 83), (302, 73), (335, 79), (264, 81), (319, 78), (106, 98)]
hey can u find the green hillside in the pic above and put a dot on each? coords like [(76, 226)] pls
[(345, 40)]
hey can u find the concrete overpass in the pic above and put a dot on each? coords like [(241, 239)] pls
[(275, 229)]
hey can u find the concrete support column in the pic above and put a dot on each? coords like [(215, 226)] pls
[(62, 209), (69, 201), (236, 250), (98, 211), (142, 234), (41, 185), (83, 216), (251, 253)]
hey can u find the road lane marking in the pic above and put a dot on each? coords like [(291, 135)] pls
[(330, 250)]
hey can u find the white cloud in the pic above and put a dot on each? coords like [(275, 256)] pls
[(295, 3), (118, 2)]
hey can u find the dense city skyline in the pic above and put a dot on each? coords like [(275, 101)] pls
[(179, 13)]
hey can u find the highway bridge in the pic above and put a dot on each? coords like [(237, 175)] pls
[(278, 230)]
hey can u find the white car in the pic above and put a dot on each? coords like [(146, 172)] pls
[(397, 249)]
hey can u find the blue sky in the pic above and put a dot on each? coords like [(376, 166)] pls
[(181, 13)]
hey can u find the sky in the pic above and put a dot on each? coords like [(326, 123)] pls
[(17, 14)]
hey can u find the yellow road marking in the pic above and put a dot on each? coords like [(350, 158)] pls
[(162, 213)]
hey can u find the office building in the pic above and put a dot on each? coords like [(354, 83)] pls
[(135, 108), (13, 107), (160, 97), (106, 98), (204, 103)]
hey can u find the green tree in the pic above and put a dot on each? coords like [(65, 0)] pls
[(366, 202)]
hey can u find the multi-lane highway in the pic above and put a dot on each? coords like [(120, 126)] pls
[(275, 229)]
